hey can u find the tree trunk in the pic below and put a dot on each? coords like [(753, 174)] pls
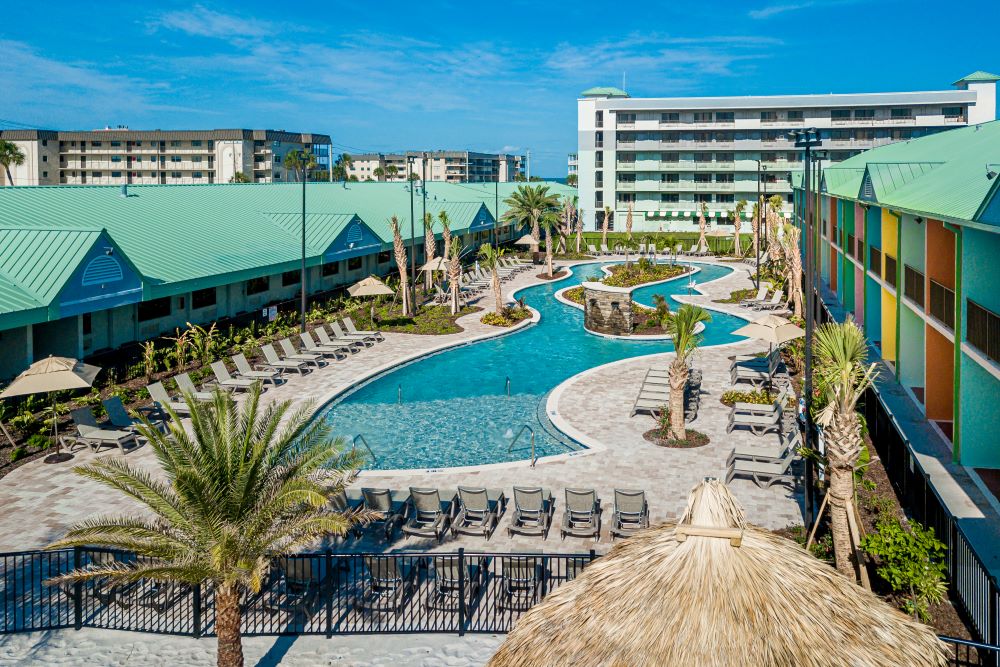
[(678, 383), (579, 238), (10, 179), (536, 233), (548, 249), (843, 439), (454, 276), (227, 627), (497, 293), (737, 244)]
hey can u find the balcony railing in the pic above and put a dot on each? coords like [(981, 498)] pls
[(890, 270), (983, 330), (850, 245), (942, 307), (913, 285), (875, 261)]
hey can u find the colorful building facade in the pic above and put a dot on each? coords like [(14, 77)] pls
[(908, 241)]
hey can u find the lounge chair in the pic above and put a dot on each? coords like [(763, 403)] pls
[(226, 381), (604, 249), (391, 582), (311, 358), (770, 452), (163, 400), (774, 304), (277, 363), (246, 371), (352, 344), (186, 386), (120, 418), (335, 351), (582, 516), (533, 508), (702, 251), (448, 581), (340, 335), (391, 509), (93, 435), (764, 473), (353, 330), (761, 296), (426, 515), (521, 580), (642, 248), (693, 250), (592, 250), (479, 511), (297, 589), (678, 249), (631, 513), (759, 424)]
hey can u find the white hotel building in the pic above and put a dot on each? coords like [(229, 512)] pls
[(665, 157)]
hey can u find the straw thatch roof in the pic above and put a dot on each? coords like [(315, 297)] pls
[(669, 596)]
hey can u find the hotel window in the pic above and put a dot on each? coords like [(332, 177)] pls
[(45, 174), (725, 199), (175, 144), (196, 142), (671, 137), (670, 178), (598, 119), (902, 135), (598, 159), (599, 199), (840, 114), (725, 117), (97, 174), (626, 178), (258, 285), (196, 174), (864, 114), (196, 158), (175, 158), (670, 157), (768, 116), (702, 178), (670, 198), (902, 113), (289, 278), (116, 143), (725, 178), (670, 117), (598, 140), (702, 157), (383, 257), (626, 197), (95, 143), (725, 157), (45, 158), (626, 118), (153, 309), (203, 298), (116, 174), (983, 330), (703, 116), (116, 158), (599, 178), (175, 174), (703, 198), (796, 115), (952, 112), (890, 270), (331, 269), (703, 137), (354, 263)]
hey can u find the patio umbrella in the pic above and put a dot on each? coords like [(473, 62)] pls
[(715, 590), (527, 239), (717, 233), (49, 375), (772, 329), (370, 286), (436, 264)]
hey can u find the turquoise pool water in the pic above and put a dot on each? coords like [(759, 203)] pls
[(452, 409)]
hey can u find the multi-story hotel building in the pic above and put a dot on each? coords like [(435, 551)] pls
[(445, 166), (666, 157), (572, 165), (144, 157)]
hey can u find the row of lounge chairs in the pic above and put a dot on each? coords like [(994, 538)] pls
[(649, 249), (654, 393), (119, 430), (477, 281), (431, 513), (758, 371), (761, 302)]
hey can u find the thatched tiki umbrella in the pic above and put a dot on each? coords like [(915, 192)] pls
[(714, 590)]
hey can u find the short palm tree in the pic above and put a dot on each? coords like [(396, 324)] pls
[(430, 248), (629, 244), (246, 484), (454, 255), (682, 327), (550, 225), (741, 206), (378, 173), (702, 225), (489, 259), (391, 171), (771, 216), (527, 205), (10, 154), (577, 221), (605, 226), (842, 376), (399, 251), (793, 266), (299, 162)]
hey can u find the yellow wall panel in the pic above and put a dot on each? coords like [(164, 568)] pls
[(888, 326)]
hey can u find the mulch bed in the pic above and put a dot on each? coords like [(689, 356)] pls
[(694, 439), (545, 276)]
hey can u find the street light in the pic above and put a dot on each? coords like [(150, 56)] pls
[(306, 162), (413, 258), (807, 140)]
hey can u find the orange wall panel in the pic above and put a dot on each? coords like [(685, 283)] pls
[(940, 372), (940, 254)]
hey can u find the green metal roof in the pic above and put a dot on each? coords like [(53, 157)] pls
[(940, 175), (604, 91), (39, 261), (977, 76)]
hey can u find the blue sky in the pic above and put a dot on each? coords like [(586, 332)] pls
[(484, 76)]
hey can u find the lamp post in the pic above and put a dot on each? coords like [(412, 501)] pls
[(413, 259), (496, 206), (807, 140), (307, 162)]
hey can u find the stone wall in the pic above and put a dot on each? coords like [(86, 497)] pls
[(607, 310)]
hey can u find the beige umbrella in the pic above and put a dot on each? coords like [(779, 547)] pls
[(772, 329), (436, 264), (527, 239), (717, 233), (715, 590), (49, 375), (370, 286)]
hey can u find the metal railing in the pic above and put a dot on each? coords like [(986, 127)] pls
[(913, 285), (983, 329), (520, 431), (942, 306), (364, 441)]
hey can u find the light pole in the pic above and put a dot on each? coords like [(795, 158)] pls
[(413, 258), (496, 206), (307, 162), (807, 140)]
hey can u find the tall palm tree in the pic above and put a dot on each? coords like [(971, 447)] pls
[(550, 225), (445, 233), (772, 210), (577, 221), (628, 222), (629, 244), (299, 162), (793, 266), (702, 225), (454, 275), (399, 250), (605, 225), (246, 484), (430, 248), (379, 173), (681, 325), (489, 259), (842, 376), (527, 205), (391, 172), (10, 154), (741, 206), (755, 224)]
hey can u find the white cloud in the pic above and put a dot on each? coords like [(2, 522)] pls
[(775, 9), (203, 22)]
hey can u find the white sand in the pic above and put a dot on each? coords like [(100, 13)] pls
[(111, 647)]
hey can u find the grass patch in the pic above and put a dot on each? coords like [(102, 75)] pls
[(574, 294), (508, 317), (642, 272), (430, 320), (738, 295)]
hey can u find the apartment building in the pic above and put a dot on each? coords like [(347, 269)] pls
[(119, 155), (444, 166), (666, 158), (572, 165)]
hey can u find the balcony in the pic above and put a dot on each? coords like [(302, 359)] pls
[(890, 270), (626, 143), (625, 185), (913, 285), (875, 261), (955, 120), (670, 165), (705, 187), (625, 166), (942, 307), (983, 330), (724, 187), (704, 166), (626, 125)]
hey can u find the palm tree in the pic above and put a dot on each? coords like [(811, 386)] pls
[(299, 162), (578, 223), (430, 248), (682, 328), (445, 233), (454, 275), (378, 173), (629, 244), (550, 224), (774, 205), (391, 171), (702, 212), (489, 259), (628, 222), (571, 180), (842, 376), (650, 242), (793, 267), (246, 484), (527, 205), (341, 167), (10, 154), (605, 225), (741, 206), (755, 224), (400, 252), (239, 177)]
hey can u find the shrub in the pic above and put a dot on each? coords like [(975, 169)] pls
[(39, 441), (17, 454), (506, 318), (574, 294), (757, 397)]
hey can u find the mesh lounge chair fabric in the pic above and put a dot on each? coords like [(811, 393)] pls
[(764, 473), (311, 358), (274, 361), (340, 336), (425, 514), (335, 351), (522, 578), (245, 370), (533, 509), (631, 513), (91, 434), (479, 511), (350, 344), (390, 584), (381, 500), (226, 381), (353, 330), (582, 515), (448, 581), (298, 587), (160, 397), (186, 386)]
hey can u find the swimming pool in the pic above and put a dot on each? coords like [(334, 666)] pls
[(452, 409)]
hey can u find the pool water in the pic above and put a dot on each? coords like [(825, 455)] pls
[(452, 409)]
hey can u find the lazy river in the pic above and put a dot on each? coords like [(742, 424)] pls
[(452, 409)]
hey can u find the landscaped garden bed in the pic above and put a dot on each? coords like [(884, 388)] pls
[(508, 317), (574, 294), (737, 296), (557, 276), (661, 435), (642, 272)]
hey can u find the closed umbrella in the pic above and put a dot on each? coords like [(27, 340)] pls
[(49, 375), (715, 590)]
